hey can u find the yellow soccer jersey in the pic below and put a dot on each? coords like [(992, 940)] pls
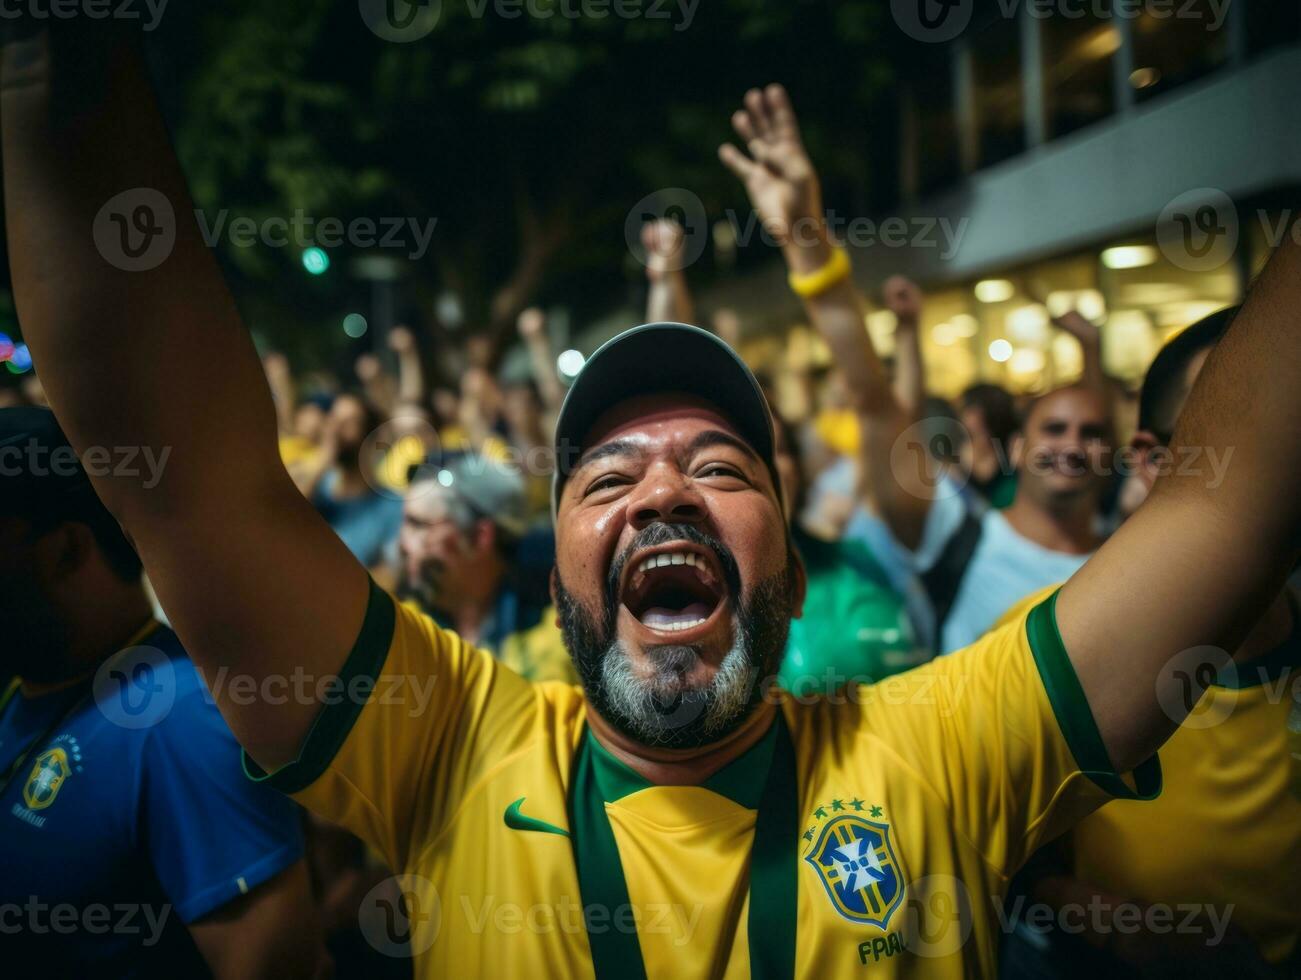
[(917, 798), (1227, 829)]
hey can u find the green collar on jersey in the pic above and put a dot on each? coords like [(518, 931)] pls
[(741, 780)]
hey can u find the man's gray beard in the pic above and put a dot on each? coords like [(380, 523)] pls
[(654, 709), (660, 710)]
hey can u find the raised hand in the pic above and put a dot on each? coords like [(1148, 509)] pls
[(903, 298), (663, 240), (532, 323), (778, 174), (368, 368), (1078, 326), (401, 340)]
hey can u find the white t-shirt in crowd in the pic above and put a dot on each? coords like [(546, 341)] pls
[(1004, 568)]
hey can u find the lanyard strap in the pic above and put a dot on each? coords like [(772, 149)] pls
[(616, 952)]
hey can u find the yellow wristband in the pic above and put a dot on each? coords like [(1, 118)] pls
[(810, 284)]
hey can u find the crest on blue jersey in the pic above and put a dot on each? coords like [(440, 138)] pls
[(48, 775), (855, 861)]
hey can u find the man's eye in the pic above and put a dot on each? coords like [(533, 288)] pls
[(604, 483), (719, 469)]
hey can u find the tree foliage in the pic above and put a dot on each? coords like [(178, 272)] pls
[(527, 137)]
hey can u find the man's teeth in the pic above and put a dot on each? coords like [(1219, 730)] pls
[(670, 622), (671, 558)]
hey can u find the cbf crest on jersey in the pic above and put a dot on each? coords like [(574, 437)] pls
[(856, 864), (47, 776)]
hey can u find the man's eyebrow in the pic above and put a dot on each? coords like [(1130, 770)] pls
[(717, 437), (618, 447)]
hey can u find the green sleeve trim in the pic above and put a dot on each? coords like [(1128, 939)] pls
[(1074, 716), (334, 721)]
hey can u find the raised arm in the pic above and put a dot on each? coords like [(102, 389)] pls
[(904, 300), (281, 381), (411, 372), (252, 578), (1209, 550), (668, 298), (784, 189), (532, 326)]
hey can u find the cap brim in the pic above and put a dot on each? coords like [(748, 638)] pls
[(653, 359)]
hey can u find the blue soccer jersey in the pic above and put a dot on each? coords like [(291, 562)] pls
[(128, 818)]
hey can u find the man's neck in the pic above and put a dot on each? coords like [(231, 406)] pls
[(94, 640), (682, 767), (1068, 529)]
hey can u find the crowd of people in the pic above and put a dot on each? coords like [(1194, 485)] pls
[(593, 585)]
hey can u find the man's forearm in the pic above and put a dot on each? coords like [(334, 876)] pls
[(171, 332), (411, 378), (157, 357), (1191, 572), (669, 299), (839, 315), (909, 374)]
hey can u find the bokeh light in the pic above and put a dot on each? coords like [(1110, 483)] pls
[(316, 261)]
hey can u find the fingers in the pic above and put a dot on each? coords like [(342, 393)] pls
[(744, 127), (737, 162), (760, 118), (782, 113)]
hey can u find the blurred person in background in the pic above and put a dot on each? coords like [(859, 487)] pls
[(989, 416), (462, 525), (1224, 837), (121, 787), (301, 421), (854, 629), (340, 483)]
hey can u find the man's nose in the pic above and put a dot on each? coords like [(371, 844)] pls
[(667, 496)]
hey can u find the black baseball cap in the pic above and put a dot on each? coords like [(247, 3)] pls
[(656, 358), (41, 477)]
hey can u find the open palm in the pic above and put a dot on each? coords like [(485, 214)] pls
[(778, 174)]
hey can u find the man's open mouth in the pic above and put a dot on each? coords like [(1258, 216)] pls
[(674, 588)]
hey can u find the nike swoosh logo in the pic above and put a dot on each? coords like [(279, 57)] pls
[(518, 821)]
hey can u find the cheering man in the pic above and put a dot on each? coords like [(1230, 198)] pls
[(672, 815)]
